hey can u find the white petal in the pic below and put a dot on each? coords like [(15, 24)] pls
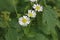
[(34, 6), (29, 11), (33, 0), (25, 17), (25, 24), (33, 11), (22, 23), (28, 22), (20, 18), (33, 14), (41, 9)]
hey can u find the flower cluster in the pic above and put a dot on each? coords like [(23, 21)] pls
[(25, 20)]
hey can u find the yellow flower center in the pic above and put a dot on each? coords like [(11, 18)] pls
[(30, 14), (37, 7), (24, 20)]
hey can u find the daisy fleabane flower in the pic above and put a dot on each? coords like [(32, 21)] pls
[(31, 13), (24, 21), (38, 7), (33, 0)]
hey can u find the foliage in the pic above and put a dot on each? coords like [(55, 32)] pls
[(46, 26)]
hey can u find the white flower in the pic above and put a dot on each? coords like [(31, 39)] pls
[(24, 21), (31, 13), (38, 7), (33, 0)]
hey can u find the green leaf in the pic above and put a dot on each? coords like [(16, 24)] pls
[(58, 24), (40, 37), (7, 5), (11, 34), (58, 4), (26, 0), (49, 19), (14, 23), (54, 34)]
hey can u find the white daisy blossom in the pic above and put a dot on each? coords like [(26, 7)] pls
[(24, 21), (33, 0), (31, 13), (38, 7)]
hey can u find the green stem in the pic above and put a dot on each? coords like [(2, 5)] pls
[(15, 7), (45, 2)]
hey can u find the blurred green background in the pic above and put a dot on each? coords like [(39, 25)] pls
[(46, 26)]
